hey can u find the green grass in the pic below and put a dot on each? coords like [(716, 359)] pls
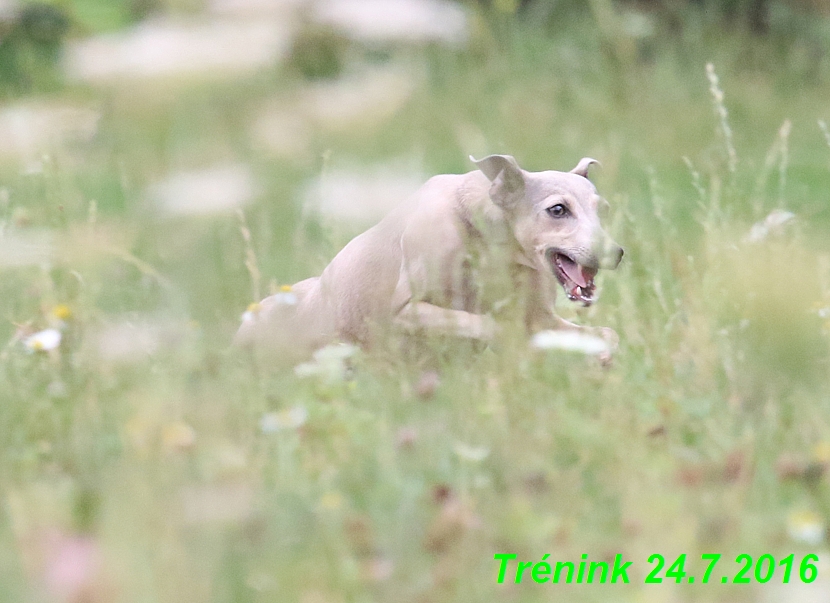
[(721, 372)]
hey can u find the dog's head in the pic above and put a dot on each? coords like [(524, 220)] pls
[(555, 219)]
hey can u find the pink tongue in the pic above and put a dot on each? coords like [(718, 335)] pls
[(575, 273)]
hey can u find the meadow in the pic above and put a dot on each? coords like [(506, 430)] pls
[(142, 459)]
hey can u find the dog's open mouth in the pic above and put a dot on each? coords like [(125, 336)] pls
[(576, 279)]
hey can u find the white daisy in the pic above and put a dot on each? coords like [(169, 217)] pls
[(289, 418), (43, 341), (569, 341)]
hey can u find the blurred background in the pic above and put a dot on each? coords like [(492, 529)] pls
[(166, 163)]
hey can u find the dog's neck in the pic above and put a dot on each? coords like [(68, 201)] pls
[(484, 221), (480, 216)]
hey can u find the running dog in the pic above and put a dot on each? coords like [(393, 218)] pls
[(462, 252)]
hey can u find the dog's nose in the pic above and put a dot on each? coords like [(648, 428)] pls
[(613, 257), (618, 255)]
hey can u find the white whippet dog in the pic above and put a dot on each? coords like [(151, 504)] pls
[(462, 251)]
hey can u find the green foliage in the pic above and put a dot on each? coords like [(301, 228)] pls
[(183, 463)]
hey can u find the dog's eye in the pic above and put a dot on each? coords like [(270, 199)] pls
[(558, 211)]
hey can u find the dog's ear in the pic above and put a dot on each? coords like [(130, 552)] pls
[(581, 168), (506, 176)]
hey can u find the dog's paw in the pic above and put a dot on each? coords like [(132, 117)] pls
[(612, 340)]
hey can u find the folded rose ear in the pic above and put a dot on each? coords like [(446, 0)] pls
[(581, 168), (493, 165), (505, 174)]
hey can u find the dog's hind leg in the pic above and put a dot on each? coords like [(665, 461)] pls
[(287, 321)]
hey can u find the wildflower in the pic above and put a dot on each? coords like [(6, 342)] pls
[(806, 526), (427, 384), (62, 312), (329, 362), (252, 311), (772, 224), (43, 341), (72, 565), (59, 315), (338, 351), (476, 454), (286, 296), (569, 341), (406, 437), (290, 418)]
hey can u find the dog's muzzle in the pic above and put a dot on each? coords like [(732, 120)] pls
[(577, 279)]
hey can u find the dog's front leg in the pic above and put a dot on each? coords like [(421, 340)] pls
[(416, 316), (541, 315)]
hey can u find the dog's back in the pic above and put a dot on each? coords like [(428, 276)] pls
[(355, 292)]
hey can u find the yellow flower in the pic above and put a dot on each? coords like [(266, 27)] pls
[(286, 288), (806, 526), (62, 312), (252, 311)]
